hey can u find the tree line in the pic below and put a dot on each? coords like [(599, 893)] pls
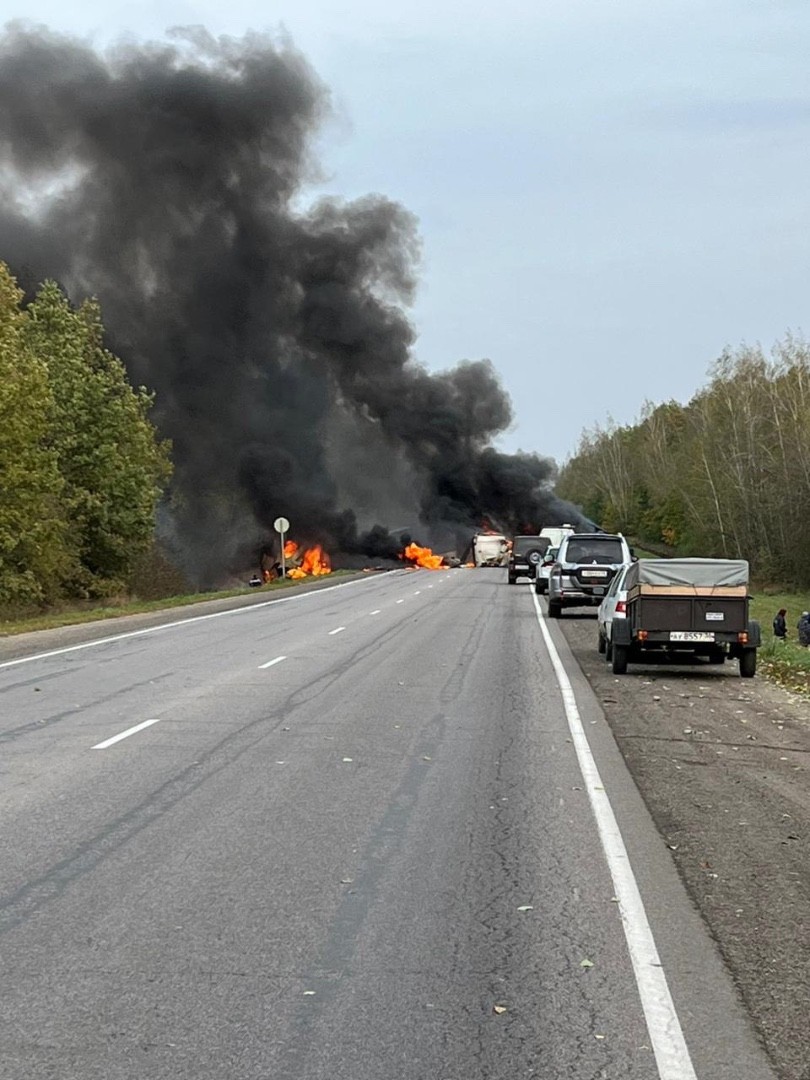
[(81, 466), (726, 475)]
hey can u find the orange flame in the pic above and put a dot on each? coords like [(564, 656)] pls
[(290, 548), (315, 563), (422, 556)]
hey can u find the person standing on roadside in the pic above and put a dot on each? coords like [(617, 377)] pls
[(803, 627), (780, 624)]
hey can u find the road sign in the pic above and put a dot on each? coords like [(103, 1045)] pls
[(281, 525)]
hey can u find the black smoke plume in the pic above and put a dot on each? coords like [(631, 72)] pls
[(166, 180)]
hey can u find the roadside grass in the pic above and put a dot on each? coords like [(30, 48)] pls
[(642, 553), (72, 615), (786, 663)]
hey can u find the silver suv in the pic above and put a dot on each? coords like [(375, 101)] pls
[(586, 564)]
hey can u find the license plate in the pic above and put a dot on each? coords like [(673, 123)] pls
[(593, 573), (690, 635), (715, 616)]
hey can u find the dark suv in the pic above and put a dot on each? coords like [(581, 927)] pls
[(586, 564), (526, 553)]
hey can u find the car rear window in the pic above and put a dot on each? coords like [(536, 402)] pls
[(523, 544), (600, 551)]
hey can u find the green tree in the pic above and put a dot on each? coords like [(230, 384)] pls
[(113, 465), (34, 553)]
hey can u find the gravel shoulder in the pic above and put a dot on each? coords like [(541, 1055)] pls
[(722, 764)]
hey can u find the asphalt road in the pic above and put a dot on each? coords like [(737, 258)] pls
[(349, 838)]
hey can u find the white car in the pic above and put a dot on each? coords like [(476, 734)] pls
[(543, 570), (614, 606)]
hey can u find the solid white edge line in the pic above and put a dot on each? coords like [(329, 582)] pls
[(180, 622), (124, 734), (337, 630), (271, 663), (668, 1042)]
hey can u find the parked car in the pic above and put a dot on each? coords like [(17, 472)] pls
[(614, 606), (586, 564), (526, 553), (543, 570)]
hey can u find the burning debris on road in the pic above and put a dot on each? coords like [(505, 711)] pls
[(424, 557), (166, 180)]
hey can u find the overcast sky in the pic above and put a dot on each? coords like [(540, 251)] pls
[(609, 191)]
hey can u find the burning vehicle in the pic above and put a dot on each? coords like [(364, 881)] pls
[(490, 549)]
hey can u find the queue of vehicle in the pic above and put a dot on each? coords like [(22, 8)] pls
[(649, 610)]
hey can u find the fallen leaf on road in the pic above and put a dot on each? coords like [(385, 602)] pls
[(586, 963), (348, 759), (309, 993), (498, 1009), (526, 907)]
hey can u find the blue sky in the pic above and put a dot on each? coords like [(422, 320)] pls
[(608, 192)]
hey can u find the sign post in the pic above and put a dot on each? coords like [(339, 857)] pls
[(282, 527)]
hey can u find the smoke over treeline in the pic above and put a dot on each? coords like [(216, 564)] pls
[(164, 179)]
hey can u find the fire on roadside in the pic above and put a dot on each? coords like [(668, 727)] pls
[(422, 556), (314, 562)]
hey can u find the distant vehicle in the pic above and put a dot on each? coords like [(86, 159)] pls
[(527, 552), (543, 571), (490, 549), (586, 564), (556, 533), (614, 606), (680, 609)]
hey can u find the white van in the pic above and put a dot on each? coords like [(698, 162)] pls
[(555, 533), (490, 549)]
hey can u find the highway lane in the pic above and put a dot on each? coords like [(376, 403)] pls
[(354, 843)]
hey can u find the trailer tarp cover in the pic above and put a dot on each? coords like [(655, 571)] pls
[(703, 573)]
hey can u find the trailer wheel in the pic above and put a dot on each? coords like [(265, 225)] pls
[(748, 663), (619, 664), (601, 644)]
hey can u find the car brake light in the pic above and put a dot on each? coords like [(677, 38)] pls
[(621, 607), (642, 635), (742, 637)]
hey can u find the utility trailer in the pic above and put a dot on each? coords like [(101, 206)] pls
[(681, 609)]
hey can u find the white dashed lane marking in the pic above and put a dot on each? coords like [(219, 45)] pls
[(124, 734), (271, 663)]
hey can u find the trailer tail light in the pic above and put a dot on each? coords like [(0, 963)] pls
[(742, 637), (621, 607), (642, 635)]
